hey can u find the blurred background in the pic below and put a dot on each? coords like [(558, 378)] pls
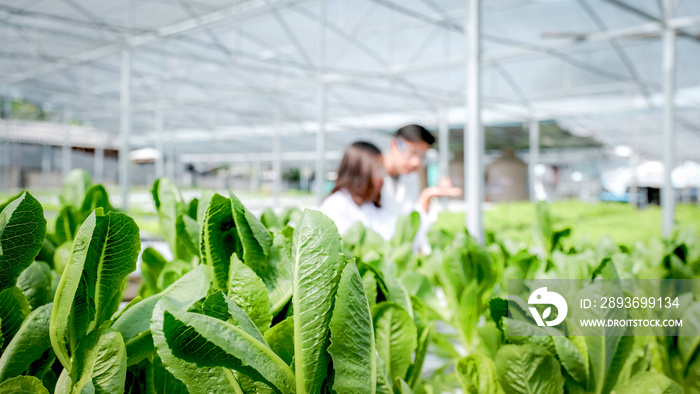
[(593, 105)]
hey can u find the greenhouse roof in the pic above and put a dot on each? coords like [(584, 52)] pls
[(228, 76)]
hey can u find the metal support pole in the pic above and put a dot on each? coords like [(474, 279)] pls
[(534, 157), (276, 168), (4, 165), (125, 131), (321, 105), (443, 149), (5, 162), (473, 135), (251, 177), (255, 181), (668, 196), (178, 169), (443, 127), (304, 179), (160, 143), (634, 189), (5, 142), (46, 165), (159, 120), (444, 144), (16, 174), (125, 106), (170, 162), (66, 159), (99, 164)]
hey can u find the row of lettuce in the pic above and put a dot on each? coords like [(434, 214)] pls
[(279, 303)]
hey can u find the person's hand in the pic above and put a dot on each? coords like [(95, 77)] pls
[(444, 182), (443, 189)]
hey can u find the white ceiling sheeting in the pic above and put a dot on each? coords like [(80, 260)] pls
[(228, 73)]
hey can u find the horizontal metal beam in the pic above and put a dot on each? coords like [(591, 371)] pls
[(253, 7), (645, 15), (560, 107), (639, 31), (252, 157), (330, 77), (249, 8), (338, 79), (55, 134)]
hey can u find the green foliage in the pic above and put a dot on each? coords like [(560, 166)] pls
[(197, 379), (104, 252), (170, 208), (651, 382), (74, 188), (35, 283), (283, 304), (134, 322), (152, 265), (248, 291), (477, 374), (395, 336), (549, 238), (292, 284), (99, 363), (352, 337), (406, 229), (23, 385), (528, 369), (27, 346), (22, 231), (229, 340), (317, 263), (219, 240), (14, 308), (281, 339)]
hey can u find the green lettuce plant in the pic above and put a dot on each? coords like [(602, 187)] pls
[(282, 304)]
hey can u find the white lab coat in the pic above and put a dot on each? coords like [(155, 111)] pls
[(340, 207), (400, 197)]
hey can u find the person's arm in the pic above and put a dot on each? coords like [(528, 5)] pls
[(443, 189)]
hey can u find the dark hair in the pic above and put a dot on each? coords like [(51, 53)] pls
[(415, 133), (359, 164)]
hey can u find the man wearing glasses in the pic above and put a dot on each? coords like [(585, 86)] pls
[(401, 192)]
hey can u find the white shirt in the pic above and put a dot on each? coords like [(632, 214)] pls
[(340, 207), (400, 197)]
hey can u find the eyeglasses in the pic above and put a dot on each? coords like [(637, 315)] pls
[(409, 151)]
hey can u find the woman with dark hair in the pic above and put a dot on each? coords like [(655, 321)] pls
[(356, 196)]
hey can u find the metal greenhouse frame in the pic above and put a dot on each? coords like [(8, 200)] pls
[(255, 81)]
